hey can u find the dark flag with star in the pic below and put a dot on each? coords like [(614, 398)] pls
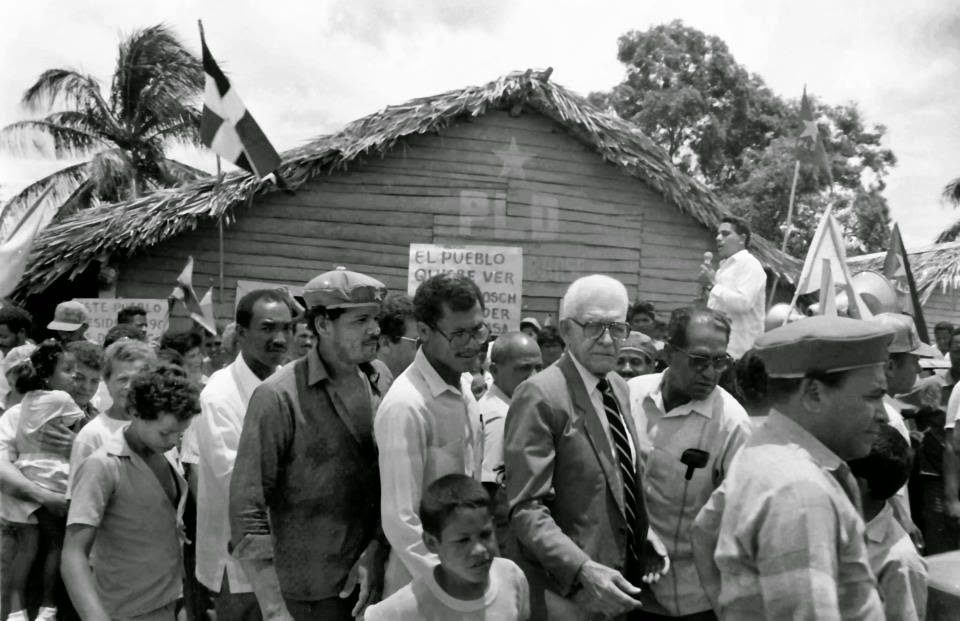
[(896, 267), (228, 128), (809, 147)]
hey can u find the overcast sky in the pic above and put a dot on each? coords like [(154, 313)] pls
[(307, 68)]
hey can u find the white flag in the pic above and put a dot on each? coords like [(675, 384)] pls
[(16, 248)]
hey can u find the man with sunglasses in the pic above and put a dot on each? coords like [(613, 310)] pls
[(680, 410), (578, 520), (428, 424)]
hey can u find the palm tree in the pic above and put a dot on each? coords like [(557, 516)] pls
[(121, 138), (952, 194)]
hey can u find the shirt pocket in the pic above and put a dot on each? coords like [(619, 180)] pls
[(443, 460)]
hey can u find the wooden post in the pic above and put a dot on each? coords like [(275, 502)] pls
[(786, 232)]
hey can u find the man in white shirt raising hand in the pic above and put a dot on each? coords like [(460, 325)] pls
[(738, 286)]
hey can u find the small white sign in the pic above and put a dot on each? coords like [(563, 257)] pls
[(103, 315)]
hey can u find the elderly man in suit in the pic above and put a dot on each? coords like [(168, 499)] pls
[(577, 514)]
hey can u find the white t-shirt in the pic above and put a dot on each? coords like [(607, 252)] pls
[(507, 599), (90, 438)]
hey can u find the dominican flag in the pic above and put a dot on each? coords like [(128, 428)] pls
[(228, 128)]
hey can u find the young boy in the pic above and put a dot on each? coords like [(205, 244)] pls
[(901, 572), (127, 508), (471, 581)]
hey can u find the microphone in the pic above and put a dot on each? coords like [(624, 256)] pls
[(694, 459), (707, 263)]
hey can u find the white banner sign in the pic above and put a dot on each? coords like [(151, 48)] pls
[(103, 315), (497, 270)]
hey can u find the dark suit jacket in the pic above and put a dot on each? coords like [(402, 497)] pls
[(563, 482)]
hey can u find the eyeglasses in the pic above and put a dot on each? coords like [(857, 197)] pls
[(618, 330), (415, 341), (700, 362), (462, 338)]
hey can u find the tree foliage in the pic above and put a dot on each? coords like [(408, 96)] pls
[(120, 139), (722, 124), (952, 194)]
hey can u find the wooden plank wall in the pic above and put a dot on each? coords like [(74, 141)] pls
[(572, 213), (941, 306)]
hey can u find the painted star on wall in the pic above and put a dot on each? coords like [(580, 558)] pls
[(513, 160)]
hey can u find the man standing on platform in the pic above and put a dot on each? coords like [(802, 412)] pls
[(305, 495), (682, 413), (738, 286), (577, 513), (263, 331), (783, 536)]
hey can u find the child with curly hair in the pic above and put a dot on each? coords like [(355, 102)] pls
[(127, 507)]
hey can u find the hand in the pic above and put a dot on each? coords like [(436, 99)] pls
[(368, 573), (605, 591), (656, 561), (55, 503), (952, 509), (916, 536), (56, 437), (706, 276)]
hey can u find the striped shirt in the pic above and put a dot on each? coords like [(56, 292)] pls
[(786, 537)]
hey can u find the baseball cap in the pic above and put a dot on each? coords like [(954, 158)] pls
[(69, 316), (342, 288)]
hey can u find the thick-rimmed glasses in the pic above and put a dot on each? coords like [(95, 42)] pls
[(619, 330), (701, 362), (462, 338)]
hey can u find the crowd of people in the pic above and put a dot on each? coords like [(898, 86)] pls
[(387, 457)]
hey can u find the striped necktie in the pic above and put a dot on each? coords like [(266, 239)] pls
[(621, 443)]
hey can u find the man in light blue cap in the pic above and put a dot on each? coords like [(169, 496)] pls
[(783, 537)]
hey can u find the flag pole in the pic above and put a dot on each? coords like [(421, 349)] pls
[(220, 230), (786, 232)]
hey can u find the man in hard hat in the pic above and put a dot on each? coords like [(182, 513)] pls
[(783, 536), (305, 493)]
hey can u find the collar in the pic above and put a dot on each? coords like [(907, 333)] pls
[(736, 256), (879, 527), (494, 392), (703, 407), (786, 429), (115, 444), (435, 383), (246, 379), (316, 370), (590, 380)]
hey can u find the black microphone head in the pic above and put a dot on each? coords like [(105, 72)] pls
[(695, 458)]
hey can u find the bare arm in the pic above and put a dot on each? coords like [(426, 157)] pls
[(951, 473), (77, 576)]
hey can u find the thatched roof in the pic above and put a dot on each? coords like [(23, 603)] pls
[(934, 267), (68, 247)]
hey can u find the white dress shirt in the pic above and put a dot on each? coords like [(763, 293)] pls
[(493, 407), (740, 291), (424, 429), (223, 405), (590, 382)]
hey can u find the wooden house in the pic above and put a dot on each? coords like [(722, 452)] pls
[(519, 161), (936, 270)]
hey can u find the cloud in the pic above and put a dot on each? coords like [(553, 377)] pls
[(308, 68)]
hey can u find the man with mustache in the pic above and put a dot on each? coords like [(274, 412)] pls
[(263, 320), (680, 409), (305, 492), (429, 425), (782, 537)]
